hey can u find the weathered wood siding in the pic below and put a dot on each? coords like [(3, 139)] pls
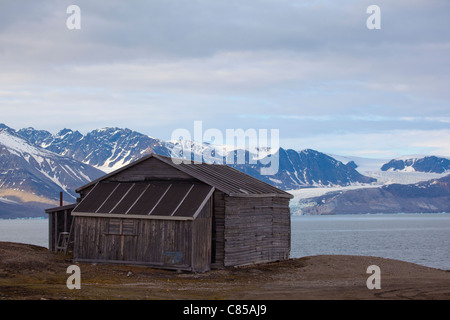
[(256, 230), (218, 229), (201, 239), (164, 243), (151, 169), (281, 224), (177, 244)]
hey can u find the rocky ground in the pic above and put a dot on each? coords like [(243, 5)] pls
[(32, 272)]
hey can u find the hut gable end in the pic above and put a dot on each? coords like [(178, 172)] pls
[(151, 169), (222, 177)]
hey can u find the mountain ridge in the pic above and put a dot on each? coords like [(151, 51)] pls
[(46, 168), (110, 148), (31, 175), (422, 164), (432, 196)]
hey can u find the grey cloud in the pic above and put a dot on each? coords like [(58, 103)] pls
[(214, 60)]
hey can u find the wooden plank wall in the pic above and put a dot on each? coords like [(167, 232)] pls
[(282, 228), (95, 241), (51, 231), (256, 230), (150, 169), (201, 239), (218, 230)]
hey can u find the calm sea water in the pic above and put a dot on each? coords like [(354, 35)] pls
[(419, 238), (32, 231)]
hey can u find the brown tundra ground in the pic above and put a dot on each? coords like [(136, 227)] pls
[(32, 272)]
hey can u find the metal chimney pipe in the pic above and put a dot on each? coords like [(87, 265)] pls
[(61, 199)]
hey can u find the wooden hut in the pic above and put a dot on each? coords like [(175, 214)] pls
[(180, 216)]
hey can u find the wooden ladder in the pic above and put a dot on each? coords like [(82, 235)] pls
[(64, 240)]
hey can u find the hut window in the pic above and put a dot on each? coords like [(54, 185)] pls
[(114, 226), (129, 227), (122, 227)]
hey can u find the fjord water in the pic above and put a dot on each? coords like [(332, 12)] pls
[(32, 231), (419, 238)]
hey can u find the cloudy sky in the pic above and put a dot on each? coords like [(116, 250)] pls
[(311, 69)]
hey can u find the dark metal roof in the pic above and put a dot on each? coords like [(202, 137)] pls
[(231, 181), (154, 199), (222, 177)]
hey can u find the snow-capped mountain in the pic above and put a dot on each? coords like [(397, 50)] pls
[(30, 174), (399, 170), (306, 168), (36, 164), (430, 196), (430, 164), (111, 148), (106, 149)]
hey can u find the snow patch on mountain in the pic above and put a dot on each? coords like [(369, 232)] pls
[(28, 171), (373, 168), (20, 147)]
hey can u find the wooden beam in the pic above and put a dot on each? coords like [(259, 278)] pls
[(204, 202), (262, 195), (130, 216), (159, 265)]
